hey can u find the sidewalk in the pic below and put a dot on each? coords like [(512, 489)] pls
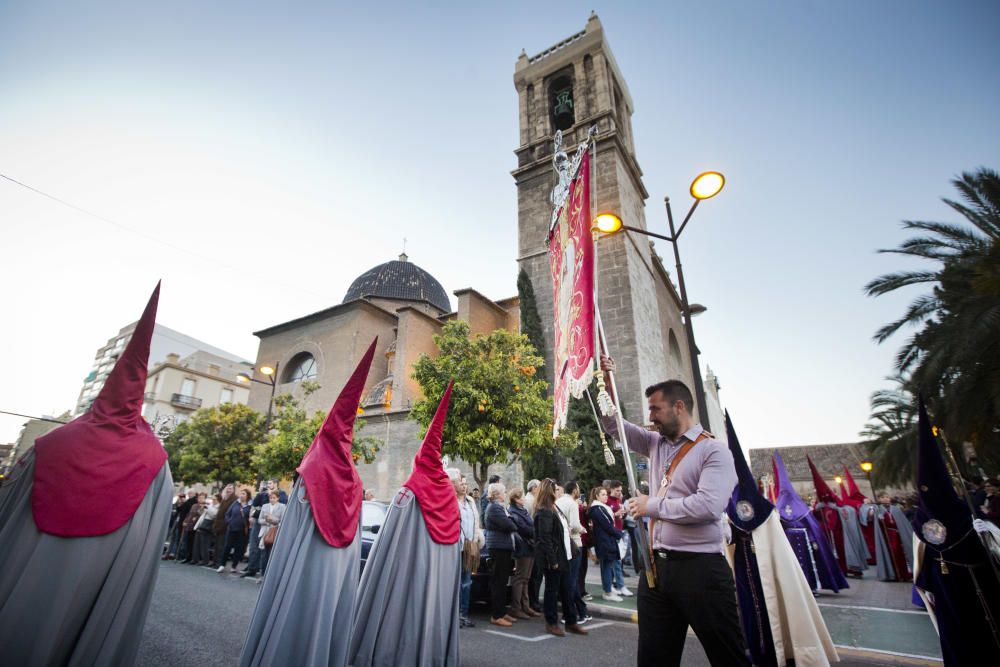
[(871, 616)]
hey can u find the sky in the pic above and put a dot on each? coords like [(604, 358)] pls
[(259, 156)]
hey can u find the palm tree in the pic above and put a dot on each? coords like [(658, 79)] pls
[(954, 358), (891, 434)]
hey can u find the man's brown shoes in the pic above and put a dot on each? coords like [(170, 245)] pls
[(576, 629), (554, 630), (503, 622)]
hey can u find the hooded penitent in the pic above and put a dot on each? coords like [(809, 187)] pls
[(780, 619), (806, 536), (306, 603), (407, 608), (893, 540), (840, 525), (952, 570), (854, 498), (84, 519)]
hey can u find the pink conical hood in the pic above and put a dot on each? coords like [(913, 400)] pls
[(109, 456), (430, 484), (823, 491), (853, 496), (332, 483)]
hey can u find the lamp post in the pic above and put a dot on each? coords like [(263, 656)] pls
[(271, 373), (705, 186)]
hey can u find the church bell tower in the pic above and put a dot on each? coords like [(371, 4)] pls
[(571, 86)]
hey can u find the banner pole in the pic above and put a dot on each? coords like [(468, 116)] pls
[(642, 536)]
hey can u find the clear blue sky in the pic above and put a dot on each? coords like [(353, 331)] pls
[(266, 155)]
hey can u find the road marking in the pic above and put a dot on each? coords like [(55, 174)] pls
[(892, 611), (592, 626), (929, 659)]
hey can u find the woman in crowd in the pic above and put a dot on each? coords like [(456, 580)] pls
[(524, 556), (270, 519), (237, 523), (552, 554), (203, 537), (605, 539), (187, 530), (500, 529)]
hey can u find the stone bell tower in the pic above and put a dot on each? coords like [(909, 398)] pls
[(572, 86)]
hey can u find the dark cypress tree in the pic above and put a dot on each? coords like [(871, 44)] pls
[(542, 462)]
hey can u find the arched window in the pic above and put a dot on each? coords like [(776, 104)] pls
[(301, 367)]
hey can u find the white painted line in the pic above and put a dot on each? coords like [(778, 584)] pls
[(523, 639), (588, 626), (902, 655), (891, 611)]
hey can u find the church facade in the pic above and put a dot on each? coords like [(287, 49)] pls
[(405, 306)]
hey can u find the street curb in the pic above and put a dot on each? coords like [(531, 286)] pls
[(613, 613)]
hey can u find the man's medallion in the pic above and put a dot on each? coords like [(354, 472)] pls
[(934, 532), (744, 510)]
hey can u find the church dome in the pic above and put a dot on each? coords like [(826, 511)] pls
[(399, 279)]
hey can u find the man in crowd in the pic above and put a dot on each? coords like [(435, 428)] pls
[(694, 584), (615, 503), (175, 534), (261, 499), (568, 506)]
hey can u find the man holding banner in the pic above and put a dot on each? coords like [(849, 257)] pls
[(694, 584)]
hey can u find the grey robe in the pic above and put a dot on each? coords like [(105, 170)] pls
[(855, 547), (306, 603), (883, 559), (407, 608), (77, 600)]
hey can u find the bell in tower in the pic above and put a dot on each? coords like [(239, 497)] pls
[(563, 116)]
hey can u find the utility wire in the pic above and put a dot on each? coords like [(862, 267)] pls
[(212, 261), (44, 419)]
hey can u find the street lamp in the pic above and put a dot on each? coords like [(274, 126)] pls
[(271, 373), (866, 467), (705, 186)]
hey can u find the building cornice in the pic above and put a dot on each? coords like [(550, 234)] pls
[(323, 314), (469, 290), (191, 371)]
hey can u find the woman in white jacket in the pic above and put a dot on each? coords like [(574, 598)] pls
[(271, 515)]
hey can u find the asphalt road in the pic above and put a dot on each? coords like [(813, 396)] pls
[(199, 617)]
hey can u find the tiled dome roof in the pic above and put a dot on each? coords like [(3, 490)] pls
[(399, 279)]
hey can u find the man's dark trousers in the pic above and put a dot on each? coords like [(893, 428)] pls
[(695, 589)]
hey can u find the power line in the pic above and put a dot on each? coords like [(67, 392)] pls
[(44, 419), (210, 260)]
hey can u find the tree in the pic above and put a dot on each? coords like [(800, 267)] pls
[(891, 434), (954, 358), (587, 458), (216, 444), (293, 431), (499, 409)]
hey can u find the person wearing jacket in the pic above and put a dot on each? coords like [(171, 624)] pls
[(568, 507), (203, 537), (524, 556), (237, 519), (219, 525), (186, 551), (553, 555), (472, 533), (500, 530), (605, 540), (271, 515)]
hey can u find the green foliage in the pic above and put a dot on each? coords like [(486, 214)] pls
[(587, 459), (499, 409), (531, 322), (954, 358), (891, 435), (293, 431), (216, 444)]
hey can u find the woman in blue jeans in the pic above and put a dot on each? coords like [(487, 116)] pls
[(605, 540), (237, 522), (552, 554)]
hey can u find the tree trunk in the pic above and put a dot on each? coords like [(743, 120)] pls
[(480, 474)]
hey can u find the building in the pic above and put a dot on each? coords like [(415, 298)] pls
[(178, 386), (572, 86), (6, 455), (164, 341), (829, 459), (404, 306), (31, 431)]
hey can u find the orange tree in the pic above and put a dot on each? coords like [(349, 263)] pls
[(499, 409)]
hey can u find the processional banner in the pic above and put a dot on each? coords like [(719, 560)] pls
[(571, 260)]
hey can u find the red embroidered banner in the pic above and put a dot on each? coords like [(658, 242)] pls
[(571, 260)]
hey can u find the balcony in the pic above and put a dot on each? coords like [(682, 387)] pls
[(185, 402)]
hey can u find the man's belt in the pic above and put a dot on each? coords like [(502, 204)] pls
[(671, 554)]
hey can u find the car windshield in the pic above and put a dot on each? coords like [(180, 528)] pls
[(372, 515)]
